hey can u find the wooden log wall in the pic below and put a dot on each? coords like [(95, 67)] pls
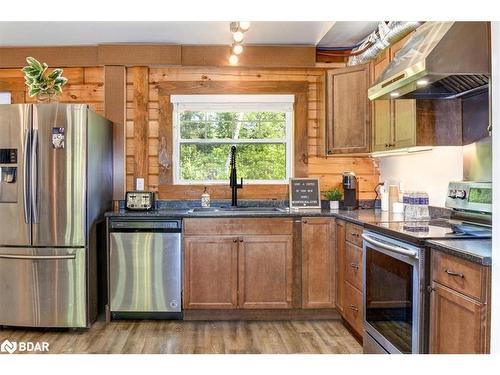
[(85, 85), (143, 129)]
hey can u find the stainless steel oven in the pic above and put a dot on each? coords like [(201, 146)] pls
[(394, 295)]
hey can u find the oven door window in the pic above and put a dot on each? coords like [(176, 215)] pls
[(389, 298)]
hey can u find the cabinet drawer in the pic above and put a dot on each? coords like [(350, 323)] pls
[(353, 308), (353, 234), (353, 265), (458, 274), (237, 226)]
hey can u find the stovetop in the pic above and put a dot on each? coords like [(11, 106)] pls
[(418, 231)]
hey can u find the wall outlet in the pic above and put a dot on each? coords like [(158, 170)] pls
[(139, 184)]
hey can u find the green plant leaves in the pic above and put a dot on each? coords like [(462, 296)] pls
[(39, 81)]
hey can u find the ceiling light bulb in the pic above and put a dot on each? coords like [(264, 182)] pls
[(244, 25), (237, 49), (238, 36), (422, 82), (233, 59), (394, 94)]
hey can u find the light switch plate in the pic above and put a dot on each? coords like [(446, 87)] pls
[(139, 184)]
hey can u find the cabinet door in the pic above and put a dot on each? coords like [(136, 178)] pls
[(458, 324), (318, 263), (210, 272), (349, 117), (405, 123), (382, 118), (265, 272), (339, 262)]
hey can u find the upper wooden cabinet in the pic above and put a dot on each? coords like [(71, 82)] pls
[(318, 263), (348, 110), (405, 123)]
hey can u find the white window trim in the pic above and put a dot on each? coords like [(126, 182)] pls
[(246, 102)]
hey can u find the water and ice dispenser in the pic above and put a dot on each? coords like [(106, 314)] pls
[(8, 175)]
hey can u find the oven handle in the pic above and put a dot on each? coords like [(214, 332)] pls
[(394, 249)]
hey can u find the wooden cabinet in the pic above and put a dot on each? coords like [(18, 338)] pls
[(210, 272), (459, 309), (403, 123), (339, 264), (350, 274), (318, 263), (265, 272), (348, 110), (243, 263)]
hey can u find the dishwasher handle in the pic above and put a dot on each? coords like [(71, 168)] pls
[(160, 226)]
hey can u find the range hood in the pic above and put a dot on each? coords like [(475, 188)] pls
[(442, 60)]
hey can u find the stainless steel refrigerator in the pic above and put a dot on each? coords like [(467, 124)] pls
[(55, 185)]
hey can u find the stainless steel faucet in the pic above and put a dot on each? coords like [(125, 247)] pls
[(233, 179)]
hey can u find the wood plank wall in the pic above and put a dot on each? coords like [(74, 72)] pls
[(142, 140), (85, 85)]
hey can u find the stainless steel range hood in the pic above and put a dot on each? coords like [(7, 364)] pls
[(442, 60)]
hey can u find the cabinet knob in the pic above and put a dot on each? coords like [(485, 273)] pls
[(235, 241), (355, 265), (304, 221), (241, 240)]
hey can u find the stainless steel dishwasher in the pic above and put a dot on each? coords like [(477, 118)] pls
[(145, 268)]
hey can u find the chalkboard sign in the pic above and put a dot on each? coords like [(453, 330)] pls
[(304, 193)]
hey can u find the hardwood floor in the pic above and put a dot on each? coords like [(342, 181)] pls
[(188, 337)]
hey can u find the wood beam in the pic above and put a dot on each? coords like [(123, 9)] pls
[(115, 110), (140, 82), (159, 54), (139, 54), (253, 56)]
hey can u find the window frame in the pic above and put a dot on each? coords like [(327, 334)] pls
[(234, 100)]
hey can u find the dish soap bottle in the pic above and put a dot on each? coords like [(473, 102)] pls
[(205, 199)]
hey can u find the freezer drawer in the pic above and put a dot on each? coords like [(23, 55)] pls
[(145, 272), (43, 287)]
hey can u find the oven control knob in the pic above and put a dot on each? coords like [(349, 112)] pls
[(461, 194), (452, 193)]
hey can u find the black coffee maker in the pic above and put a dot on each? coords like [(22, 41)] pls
[(350, 185)]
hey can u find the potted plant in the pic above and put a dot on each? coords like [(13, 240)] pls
[(334, 196), (45, 86)]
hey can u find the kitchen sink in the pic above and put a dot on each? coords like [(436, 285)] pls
[(237, 209), (252, 209)]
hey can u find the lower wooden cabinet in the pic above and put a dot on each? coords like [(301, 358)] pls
[(231, 271), (318, 263), (349, 271), (339, 264), (460, 306), (457, 325), (210, 272), (353, 307), (265, 272)]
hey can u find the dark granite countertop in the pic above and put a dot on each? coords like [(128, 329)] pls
[(359, 217), (474, 250)]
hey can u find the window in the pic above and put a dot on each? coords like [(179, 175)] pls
[(206, 126)]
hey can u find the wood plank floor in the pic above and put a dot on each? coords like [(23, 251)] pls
[(188, 337)]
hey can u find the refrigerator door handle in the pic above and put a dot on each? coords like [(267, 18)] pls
[(34, 176), (27, 218), (37, 257)]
